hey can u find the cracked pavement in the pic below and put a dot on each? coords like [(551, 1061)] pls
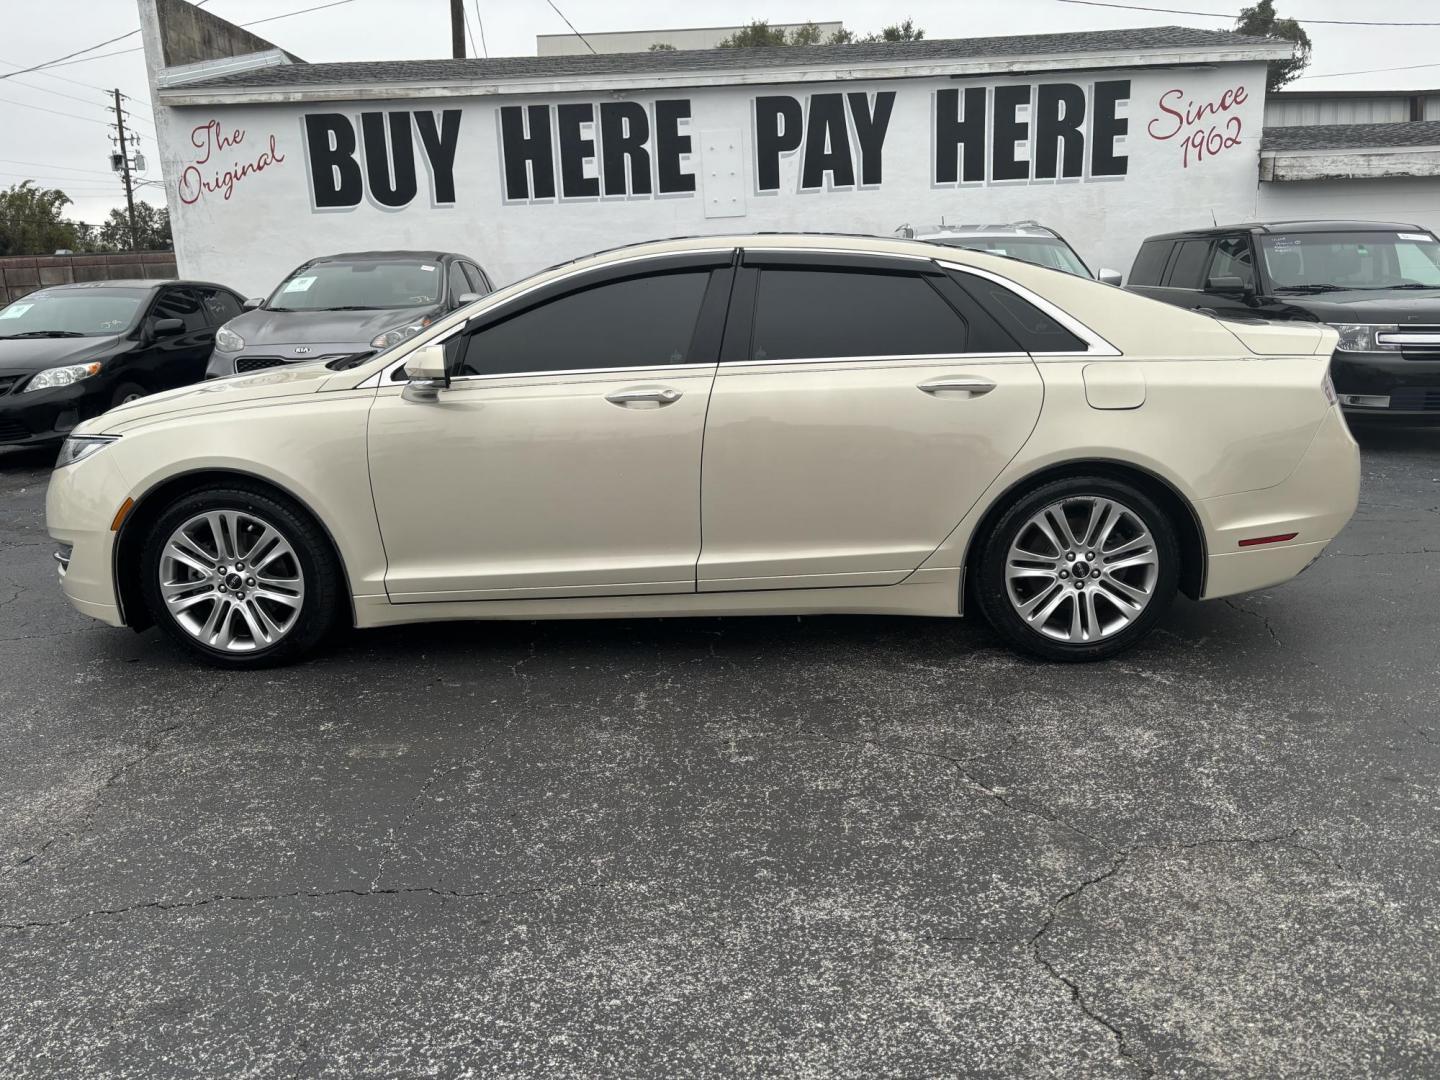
[(819, 847)]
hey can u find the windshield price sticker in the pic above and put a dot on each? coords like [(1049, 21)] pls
[(1420, 238), (300, 284), (14, 311), (427, 269)]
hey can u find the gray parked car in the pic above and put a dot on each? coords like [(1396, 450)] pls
[(346, 305), (1028, 241)]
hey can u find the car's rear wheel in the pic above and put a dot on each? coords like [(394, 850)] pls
[(240, 578), (1078, 569)]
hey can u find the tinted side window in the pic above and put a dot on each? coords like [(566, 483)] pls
[(1032, 328), (1232, 259), (809, 314), (1150, 263), (458, 285), (220, 306), (180, 304), (478, 285), (636, 322), (1187, 271)]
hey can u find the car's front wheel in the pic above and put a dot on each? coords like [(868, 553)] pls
[(1078, 569), (240, 577)]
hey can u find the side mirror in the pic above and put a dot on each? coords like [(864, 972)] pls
[(427, 373), (167, 327), (1230, 285), (1110, 277), (467, 298), (253, 303)]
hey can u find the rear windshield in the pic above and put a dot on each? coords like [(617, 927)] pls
[(1041, 251), (365, 284), (1352, 260), (71, 313)]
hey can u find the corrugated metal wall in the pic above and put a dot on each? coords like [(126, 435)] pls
[(1307, 112)]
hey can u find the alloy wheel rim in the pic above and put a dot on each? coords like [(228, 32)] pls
[(232, 581), (1082, 569)]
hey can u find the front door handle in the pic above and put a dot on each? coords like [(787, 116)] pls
[(971, 387), (644, 397)]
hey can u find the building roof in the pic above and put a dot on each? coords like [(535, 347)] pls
[(701, 61), (1419, 133)]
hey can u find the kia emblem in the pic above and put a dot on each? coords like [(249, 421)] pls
[(302, 348)]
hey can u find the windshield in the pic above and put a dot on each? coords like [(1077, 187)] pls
[(364, 284), (71, 313), (1352, 260), (1040, 250)]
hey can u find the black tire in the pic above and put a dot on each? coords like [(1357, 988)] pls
[(324, 588), (127, 391), (992, 593)]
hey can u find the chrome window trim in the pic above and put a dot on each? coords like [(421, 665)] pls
[(1095, 344), (889, 358)]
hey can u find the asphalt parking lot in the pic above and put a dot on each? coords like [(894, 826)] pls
[(820, 847)]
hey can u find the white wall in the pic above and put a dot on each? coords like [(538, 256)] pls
[(268, 223), (1414, 201)]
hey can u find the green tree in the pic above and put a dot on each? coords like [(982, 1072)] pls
[(662, 46), (1261, 21), (152, 229), (32, 221), (760, 33)]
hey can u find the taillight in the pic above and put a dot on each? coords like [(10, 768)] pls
[(1279, 539)]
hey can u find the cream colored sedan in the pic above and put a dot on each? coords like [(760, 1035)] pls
[(743, 425)]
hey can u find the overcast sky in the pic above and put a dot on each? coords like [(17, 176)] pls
[(71, 151)]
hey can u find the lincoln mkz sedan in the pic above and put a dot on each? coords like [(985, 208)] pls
[(726, 426)]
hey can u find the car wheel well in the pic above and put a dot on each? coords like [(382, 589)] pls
[(153, 503), (1175, 506)]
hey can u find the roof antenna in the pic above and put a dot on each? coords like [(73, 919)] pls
[(1212, 218)]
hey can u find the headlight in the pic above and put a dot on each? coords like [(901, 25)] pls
[(79, 447), (227, 340), (399, 334), (1360, 337), (61, 376)]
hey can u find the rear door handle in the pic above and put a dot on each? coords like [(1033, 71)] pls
[(969, 387), (644, 397)]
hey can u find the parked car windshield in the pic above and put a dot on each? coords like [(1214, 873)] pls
[(1349, 260), (71, 313), (1041, 251), (365, 284)]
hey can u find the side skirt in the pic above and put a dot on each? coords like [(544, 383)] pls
[(932, 593)]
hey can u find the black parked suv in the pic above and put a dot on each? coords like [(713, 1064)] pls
[(1377, 283), (69, 352)]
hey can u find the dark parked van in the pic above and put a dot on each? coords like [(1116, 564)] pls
[(1377, 283)]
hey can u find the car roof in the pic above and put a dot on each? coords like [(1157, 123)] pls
[(1290, 227), (383, 255), (1017, 228)]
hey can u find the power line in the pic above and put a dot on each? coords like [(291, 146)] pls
[(1369, 71), (466, 18), (53, 112), (1226, 15), (57, 78), (57, 93), (123, 52), (571, 25), (481, 23), (47, 165), (67, 56)]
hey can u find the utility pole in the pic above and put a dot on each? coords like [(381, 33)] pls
[(457, 29), (125, 167)]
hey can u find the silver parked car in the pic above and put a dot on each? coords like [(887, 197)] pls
[(346, 305), (1028, 241)]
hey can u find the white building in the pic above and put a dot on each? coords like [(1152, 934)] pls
[(1108, 136)]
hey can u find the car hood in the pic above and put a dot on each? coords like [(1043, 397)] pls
[(261, 327), (236, 391), (32, 354), (1366, 306)]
